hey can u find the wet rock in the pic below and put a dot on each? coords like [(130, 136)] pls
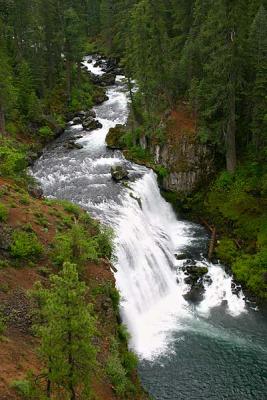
[(195, 294), (207, 279), (85, 114), (114, 136), (76, 121), (71, 145), (100, 98), (35, 191), (119, 172), (90, 124), (181, 256)]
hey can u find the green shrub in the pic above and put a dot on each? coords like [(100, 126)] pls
[(3, 213), (25, 200), (70, 207), (123, 333), (226, 250), (25, 244), (130, 362), (2, 323), (12, 161), (105, 242), (23, 388), (117, 374), (75, 246), (45, 132)]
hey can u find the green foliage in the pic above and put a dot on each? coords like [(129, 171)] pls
[(252, 271), (123, 333), (105, 242), (23, 388), (12, 160), (2, 323), (70, 207), (119, 369), (25, 245), (3, 212), (226, 250), (65, 327), (45, 132), (75, 246)]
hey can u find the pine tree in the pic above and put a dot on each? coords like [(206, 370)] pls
[(258, 56), (65, 328), (7, 93)]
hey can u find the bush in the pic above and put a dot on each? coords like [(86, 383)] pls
[(22, 387), (105, 242), (123, 333), (75, 246), (2, 323), (226, 250), (45, 132), (12, 161), (3, 213), (25, 245), (70, 207), (117, 374)]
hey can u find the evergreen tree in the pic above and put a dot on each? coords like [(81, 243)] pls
[(258, 56), (7, 93), (65, 328)]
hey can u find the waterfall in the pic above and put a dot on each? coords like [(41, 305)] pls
[(148, 233)]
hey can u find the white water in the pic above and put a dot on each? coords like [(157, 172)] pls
[(147, 237)]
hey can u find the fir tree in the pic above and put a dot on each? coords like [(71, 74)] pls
[(65, 328)]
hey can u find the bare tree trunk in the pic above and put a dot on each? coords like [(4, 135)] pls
[(230, 136)]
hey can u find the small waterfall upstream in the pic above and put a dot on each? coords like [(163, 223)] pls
[(148, 236)]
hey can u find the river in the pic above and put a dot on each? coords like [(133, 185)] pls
[(216, 349)]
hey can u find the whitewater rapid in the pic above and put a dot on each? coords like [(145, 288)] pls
[(148, 233)]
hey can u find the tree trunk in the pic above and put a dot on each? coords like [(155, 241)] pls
[(70, 360), (230, 136), (68, 70), (2, 122)]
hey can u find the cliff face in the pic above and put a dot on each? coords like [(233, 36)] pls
[(189, 162)]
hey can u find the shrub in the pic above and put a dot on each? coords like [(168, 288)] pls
[(12, 161), (226, 250), (105, 242), (25, 244), (75, 246), (3, 213), (70, 207), (22, 387), (123, 333), (129, 362), (117, 374), (2, 323), (45, 132)]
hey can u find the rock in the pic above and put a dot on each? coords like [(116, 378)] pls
[(195, 294), (76, 121), (100, 98), (207, 279), (90, 124), (119, 172), (71, 145), (85, 114), (181, 256), (114, 136), (35, 191), (107, 79)]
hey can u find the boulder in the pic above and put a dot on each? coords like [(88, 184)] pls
[(76, 121), (114, 136), (100, 98), (90, 124), (119, 172), (107, 79), (181, 256), (71, 145), (195, 294)]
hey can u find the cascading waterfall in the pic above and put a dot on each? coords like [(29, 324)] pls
[(148, 235)]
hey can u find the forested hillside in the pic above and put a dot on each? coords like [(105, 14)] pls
[(196, 73)]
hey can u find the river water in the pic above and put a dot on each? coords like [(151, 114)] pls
[(216, 349)]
